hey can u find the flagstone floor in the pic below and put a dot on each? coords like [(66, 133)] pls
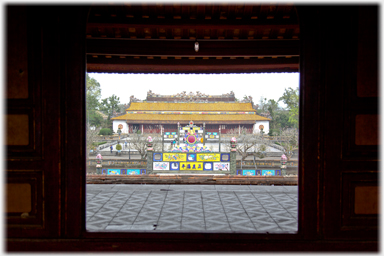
[(196, 208)]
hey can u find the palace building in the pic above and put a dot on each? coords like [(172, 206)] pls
[(215, 112)]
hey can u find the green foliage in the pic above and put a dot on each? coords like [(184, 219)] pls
[(290, 97), (110, 104), (94, 119), (118, 147), (101, 143), (273, 132), (105, 131), (93, 93)]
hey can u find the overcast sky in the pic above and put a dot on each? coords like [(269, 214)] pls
[(269, 85)]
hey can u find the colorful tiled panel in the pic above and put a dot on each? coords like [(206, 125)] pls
[(133, 172), (113, 171), (175, 166), (249, 172), (191, 166), (208, 166), (157, 157), (268, 172), (172, 157), (191, 157), (161, 166), (221, 166), (211, 157), (225, 157), (259, 172)]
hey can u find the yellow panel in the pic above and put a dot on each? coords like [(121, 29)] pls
[(367, 130), (17, 60), (18, 196), (172, 157), (208, 157), (17, 130), (366, 200), (191, 166)]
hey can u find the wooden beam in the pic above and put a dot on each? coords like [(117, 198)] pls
[(185, 48), (196, 24), (143, 65)]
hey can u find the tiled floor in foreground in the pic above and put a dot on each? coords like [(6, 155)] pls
[(201, 208)]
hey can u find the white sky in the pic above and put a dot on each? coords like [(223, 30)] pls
[(268, 85)]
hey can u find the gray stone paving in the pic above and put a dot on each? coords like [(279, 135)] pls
[(183, 208)]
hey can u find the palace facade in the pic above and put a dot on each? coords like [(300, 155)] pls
[(215, 112)]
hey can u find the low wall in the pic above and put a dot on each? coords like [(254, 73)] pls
[(192, 179)]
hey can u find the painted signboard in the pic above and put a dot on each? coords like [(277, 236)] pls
[(208, 157), (161, 166), (172, 157), (191, 166), (221, 166)]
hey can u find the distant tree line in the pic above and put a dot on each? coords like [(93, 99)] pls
[(281, 118)]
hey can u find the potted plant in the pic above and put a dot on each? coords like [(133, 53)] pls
[(118, 148)]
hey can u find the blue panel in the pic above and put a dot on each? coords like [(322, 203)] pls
[(239, 172), (167, 133), (249, 172), (160, 158), (258, 172), (227, 156), (207, 166), (173, 133), (215, 133), (278, 172), (104, 171), (123, 171), (174, 166), (133, 171), (191, 157), (113, 171), (268, 172), (143, 171)]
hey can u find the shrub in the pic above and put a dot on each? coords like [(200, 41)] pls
[(273, 132), (105, 131), (118, 147)]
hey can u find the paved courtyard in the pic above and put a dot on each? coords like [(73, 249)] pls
[(196, 208)]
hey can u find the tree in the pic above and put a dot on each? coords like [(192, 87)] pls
[(248, 143), (139, 141), (291, 99), (94, 119), (110, 104), (92, 138), (290, 141), (93, 94)]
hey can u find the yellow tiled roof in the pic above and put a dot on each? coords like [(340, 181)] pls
[(194, 117), (191, 111), (219, 106)]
